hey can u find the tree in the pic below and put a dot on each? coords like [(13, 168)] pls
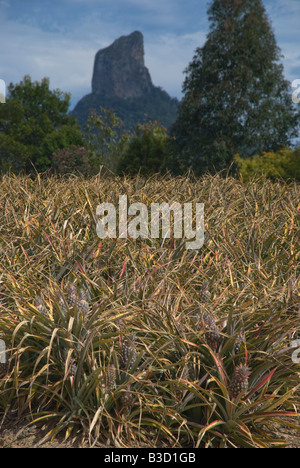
[(34, 122), (106, 138), (235, 97), (147, 151)]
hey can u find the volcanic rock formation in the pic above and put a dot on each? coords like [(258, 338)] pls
[(122, 82), (119, 70)]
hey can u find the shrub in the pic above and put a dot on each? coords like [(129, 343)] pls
[(73, 159), (284, 163)]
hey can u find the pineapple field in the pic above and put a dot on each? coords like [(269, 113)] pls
[(142, 342)]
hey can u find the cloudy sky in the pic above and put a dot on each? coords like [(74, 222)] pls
[(59, 38)]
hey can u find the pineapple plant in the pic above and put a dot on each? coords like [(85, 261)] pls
[(239, 383)]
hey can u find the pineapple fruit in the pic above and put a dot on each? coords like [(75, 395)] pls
[(239, 382), (205, 294), (110, 378), (239, 340), (82, 304), (40, 305), (127, 398), (212, 331), (75, 299), (71, 296), (72, 299), (61, 302), (128, 352)]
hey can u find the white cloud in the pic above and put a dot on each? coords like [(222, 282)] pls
[(67, 59), (284, 16), (167, 57), (28, 51)]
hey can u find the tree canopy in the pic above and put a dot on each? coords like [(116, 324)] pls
[(34, 122)]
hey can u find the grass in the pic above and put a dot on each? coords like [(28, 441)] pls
[(138, 370)]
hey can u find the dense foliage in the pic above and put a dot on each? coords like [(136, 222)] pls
[(154, 358), (154, 106), (283, 164), (34, 122)]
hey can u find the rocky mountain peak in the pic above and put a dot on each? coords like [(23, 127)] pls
[(119, 69), (122, 82)]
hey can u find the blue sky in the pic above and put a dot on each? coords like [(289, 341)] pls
[(59, 38)]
